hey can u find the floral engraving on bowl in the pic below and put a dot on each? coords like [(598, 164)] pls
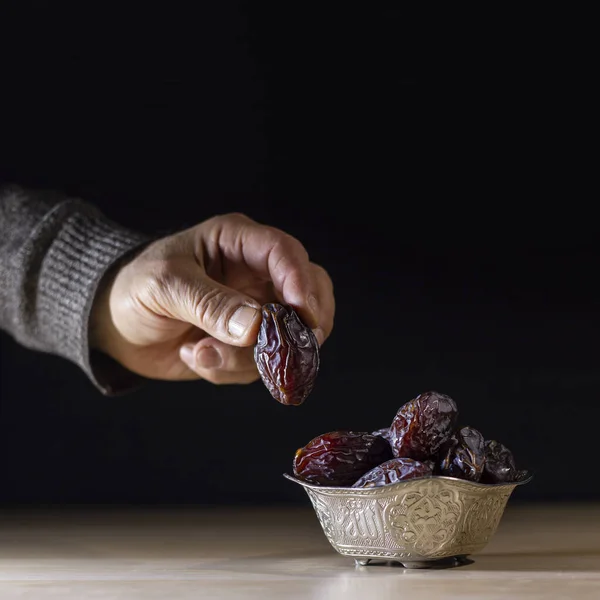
[(425, 519)]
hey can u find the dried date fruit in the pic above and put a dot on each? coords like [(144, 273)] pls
[(522, 475), (392, 471), (432, 464), (339, 458), (286, 354), (422, 426), (500, 464), (463, 455), (384, 433), (422, 440)]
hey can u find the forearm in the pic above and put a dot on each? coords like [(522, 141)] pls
[(54, 253)]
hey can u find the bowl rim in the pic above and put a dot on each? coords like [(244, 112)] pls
[(399, 484)]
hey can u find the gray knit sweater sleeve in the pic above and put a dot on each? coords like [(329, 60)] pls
[(54, 252)]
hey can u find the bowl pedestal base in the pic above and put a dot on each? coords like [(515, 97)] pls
[(440, 563)]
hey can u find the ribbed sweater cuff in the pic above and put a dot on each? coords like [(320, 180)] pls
[(86, 246)]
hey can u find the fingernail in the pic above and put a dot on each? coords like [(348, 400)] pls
[(186, 353), (209, 358), (241, 320)]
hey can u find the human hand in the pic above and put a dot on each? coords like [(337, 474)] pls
[(188, 306)]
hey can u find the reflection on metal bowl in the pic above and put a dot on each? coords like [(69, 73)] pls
[(424, 522)]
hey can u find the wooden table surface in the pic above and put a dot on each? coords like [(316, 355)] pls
[(547, 551)]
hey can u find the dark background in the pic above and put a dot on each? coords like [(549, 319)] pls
[(438, 173)]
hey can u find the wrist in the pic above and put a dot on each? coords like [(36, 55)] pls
[(102, 328)]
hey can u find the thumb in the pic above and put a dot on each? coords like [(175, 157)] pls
[(223, 313)]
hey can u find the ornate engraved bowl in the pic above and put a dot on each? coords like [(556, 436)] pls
[(422, 522)]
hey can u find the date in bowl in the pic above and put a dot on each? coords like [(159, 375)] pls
[(421, 523)]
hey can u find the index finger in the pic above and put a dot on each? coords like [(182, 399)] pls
[(280, 258)]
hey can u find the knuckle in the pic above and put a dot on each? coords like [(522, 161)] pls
[(161, 273), (322, 274), (159, 280), (280, 262), (288, 244), (320, 271), (239, 216), (232, 218), (209, 306), (287, 253)]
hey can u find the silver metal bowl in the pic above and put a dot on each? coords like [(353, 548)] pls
[(422, 522)]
